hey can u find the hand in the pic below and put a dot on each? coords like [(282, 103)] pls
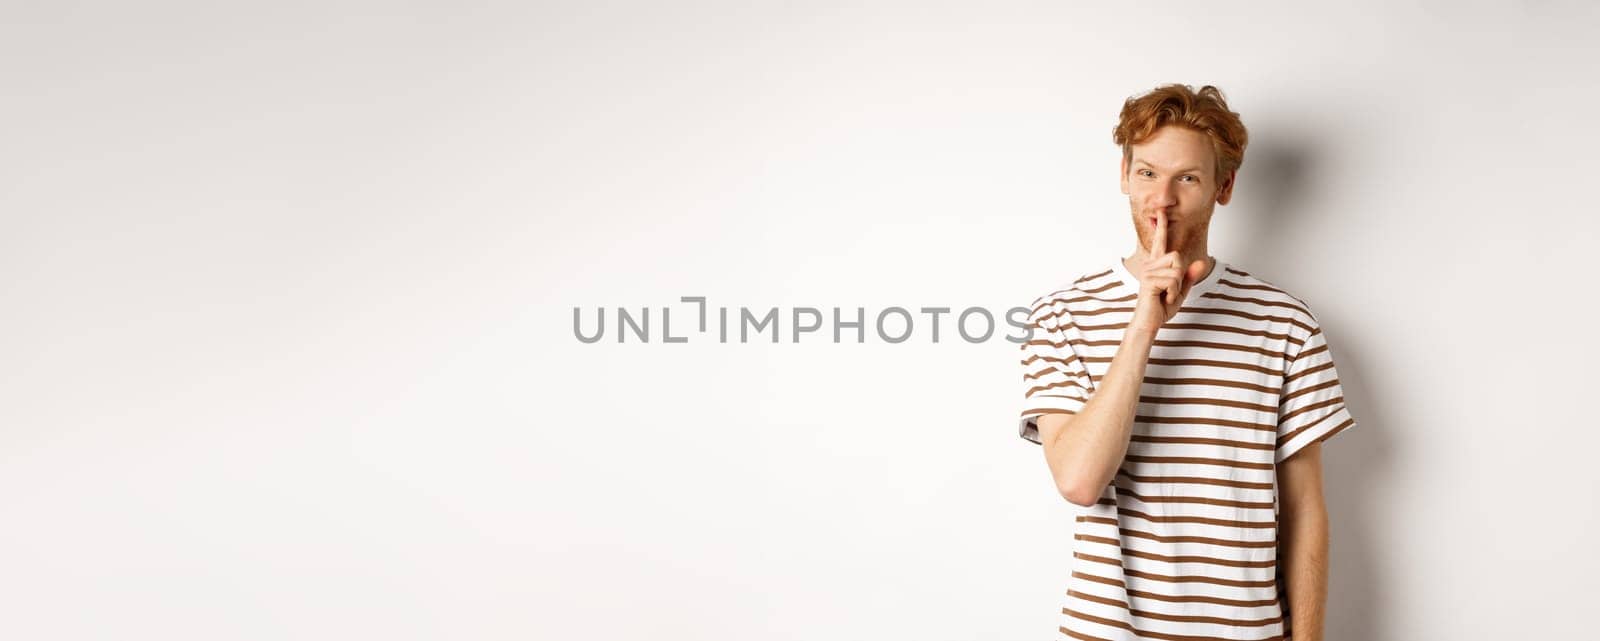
[(1162, 285)]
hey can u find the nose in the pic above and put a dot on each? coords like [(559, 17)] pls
[(1163, 196)]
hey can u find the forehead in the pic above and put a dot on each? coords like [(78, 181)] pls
[(1174, 149)]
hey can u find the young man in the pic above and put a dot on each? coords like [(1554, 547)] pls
[(1182, 403)]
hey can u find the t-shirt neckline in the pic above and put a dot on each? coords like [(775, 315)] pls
[(1129, 283)]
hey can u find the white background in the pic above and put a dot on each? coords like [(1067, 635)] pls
[(288, 296)]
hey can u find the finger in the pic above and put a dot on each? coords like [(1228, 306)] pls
[(1192, 275), (1156, 280), (1158, 240), (1163, 274)]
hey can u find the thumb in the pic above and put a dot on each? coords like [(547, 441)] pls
[(1192, 274)]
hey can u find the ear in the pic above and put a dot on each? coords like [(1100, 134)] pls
[(1225, 191), (1124, 166)]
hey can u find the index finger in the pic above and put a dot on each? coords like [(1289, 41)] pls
[(1158, 240)]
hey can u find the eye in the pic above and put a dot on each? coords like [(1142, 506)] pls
[(1144, 172), (1195, 178)]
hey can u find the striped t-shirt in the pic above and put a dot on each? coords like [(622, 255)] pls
[(1182, 545)]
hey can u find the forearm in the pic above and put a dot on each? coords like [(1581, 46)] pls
[(1303, 551), (1085, 454)]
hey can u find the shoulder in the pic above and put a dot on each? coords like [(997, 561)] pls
[(1057, 302), (1240, 283)]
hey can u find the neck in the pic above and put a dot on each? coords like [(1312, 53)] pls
[(1140, 255)]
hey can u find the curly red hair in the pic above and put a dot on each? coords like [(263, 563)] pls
[(1204, 111)]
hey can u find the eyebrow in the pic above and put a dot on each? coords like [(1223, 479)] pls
[(1146, 163)]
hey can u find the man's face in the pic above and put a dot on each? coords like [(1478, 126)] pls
[(1174, 171)]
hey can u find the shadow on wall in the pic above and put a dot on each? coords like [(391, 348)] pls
[(1356, 464), (1357, 467), (1272, 189)]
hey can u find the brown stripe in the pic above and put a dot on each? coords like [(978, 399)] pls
[(1201, 500), (1337, 400), (1066, 383), (1066, 305), (1223, 311), (1216, 345), (1248, 299), (1187, 598), (1068, 296), (1113, 326), (1325, 385), (1179, 518), (1193, 361), (1306, 372), (1094, 276), (1339, 428), (1248, 485), (1200, 578), (1113, 342), (1148, 614), (1040, 411), (1201, 420), (1213, 327), (1204, 326), (1028, 377), (1313, 351), (1266, 286), (1141, 534), (1154, 635), (1211, 402), (1038, 324), (1199, 440), (1239, 285), (1195, 558), (1054, 298), (1097, 559), (1200, 326), (1083, 313), (1261, 317), (1080, 636), (1081, 280), (1214, 382), (1097, 539), (1173, 559), (1098, 288), (1079, 344), (1200, 460), (1325, 365), (1336, 430)]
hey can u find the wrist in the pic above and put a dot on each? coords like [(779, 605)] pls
[(1140, 334), (1143, 324)]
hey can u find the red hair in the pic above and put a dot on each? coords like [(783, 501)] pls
[(1204, 111)]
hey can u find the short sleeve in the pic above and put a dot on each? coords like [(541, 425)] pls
[(1311, 406), (1054, 379)]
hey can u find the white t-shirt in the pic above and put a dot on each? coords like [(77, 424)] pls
[(1183, 544)]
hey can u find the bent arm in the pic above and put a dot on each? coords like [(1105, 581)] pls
[(1085, 450)]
